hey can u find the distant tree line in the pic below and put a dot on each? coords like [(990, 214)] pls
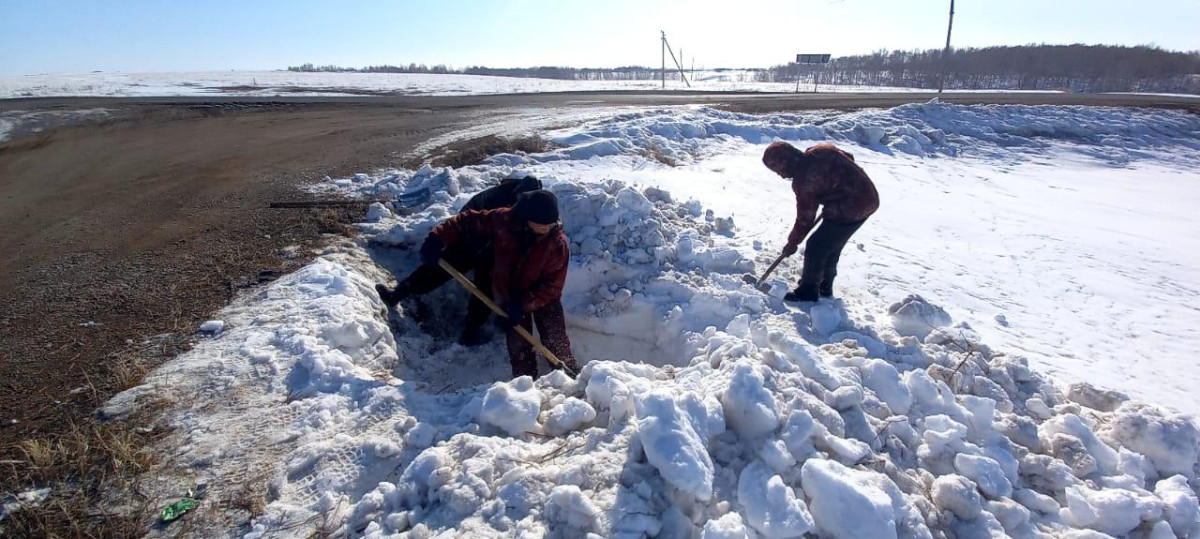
[(541, 72), (1078, 68)]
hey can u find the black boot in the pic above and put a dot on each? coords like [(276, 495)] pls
[(392, 296), (826, 290), (524, 364), (802, 293), (385, 294), (472, 335)]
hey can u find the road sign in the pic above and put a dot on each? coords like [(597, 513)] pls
[(812, 58)]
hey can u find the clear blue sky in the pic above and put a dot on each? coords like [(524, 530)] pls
[(77, 36)]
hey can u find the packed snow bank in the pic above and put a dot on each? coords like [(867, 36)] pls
[(731, 415)]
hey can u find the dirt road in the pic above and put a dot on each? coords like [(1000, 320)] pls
[(118, 232)]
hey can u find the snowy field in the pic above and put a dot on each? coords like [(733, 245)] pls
[(1018, 251), (280, 83)]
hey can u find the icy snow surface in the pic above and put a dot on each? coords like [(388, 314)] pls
[(707, 408)]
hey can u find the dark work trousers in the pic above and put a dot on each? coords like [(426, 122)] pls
[(821, 255), (551, 330), (464, 256)]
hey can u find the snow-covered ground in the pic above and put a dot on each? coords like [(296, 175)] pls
[(1018, 249), (276, 83)]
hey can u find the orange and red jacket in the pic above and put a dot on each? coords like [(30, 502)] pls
[(529, 268), (828, 176)]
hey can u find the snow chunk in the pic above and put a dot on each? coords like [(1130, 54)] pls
[(1097, 399), (1180, 505), (1112, 511), (607, 391), (749, 407), (569, 506), (884, 380), (869, 135), (1038, 408), (771, 507), (421, 435), (1073, 425), (844, 504), (568, 416), (1036, 501), (377, 212), (512, 406), (956, 493), (673, 444), (915, 317), (1012, 516), (729, 526), (797, 432), (986, 473), (776, 454), (826, 317), (212, 327), (1170, 441)]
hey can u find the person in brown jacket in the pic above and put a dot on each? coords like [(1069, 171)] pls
[(822, 175), (531, 254), (464, 256)]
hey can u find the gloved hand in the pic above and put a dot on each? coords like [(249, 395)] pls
[(790, 249), (431, 250), (515, 312)]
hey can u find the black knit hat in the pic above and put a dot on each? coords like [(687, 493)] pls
[(528, 183), (539, 206)]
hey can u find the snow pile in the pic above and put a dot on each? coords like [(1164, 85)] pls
[(797, 456), (1007, 133), (763, 431), (704, 408), (512, 407)]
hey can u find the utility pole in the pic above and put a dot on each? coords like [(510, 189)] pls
[(664, 59), (678, 64), (946, 52)]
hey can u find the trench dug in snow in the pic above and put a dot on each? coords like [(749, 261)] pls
[(426, 329)]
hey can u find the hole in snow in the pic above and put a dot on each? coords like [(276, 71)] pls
[(426, 329)]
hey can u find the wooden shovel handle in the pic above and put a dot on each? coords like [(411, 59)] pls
[(463, 280), (770, 269)]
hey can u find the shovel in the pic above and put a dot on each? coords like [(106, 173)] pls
[(553, 359), (759, 282)]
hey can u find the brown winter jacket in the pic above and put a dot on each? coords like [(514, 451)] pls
[(530, 268), (828, 176)]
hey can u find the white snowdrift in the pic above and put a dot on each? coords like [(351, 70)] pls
[(705, 408)]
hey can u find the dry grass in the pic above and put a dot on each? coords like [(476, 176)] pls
[(80, 466), (656, 153), (251, 497), (477, 150)]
